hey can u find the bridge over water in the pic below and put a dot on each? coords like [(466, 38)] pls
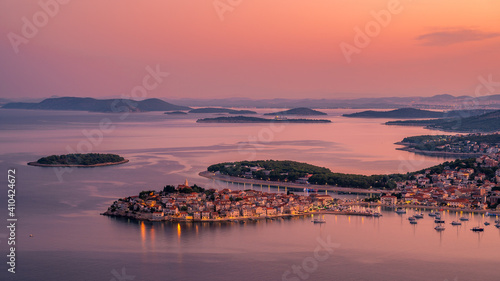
[(253, 183)]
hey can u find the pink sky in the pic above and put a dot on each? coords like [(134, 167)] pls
[(258, 49)]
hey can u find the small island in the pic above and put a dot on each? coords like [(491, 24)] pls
[(245, 119), (221, 110), (297, 111), (79, 160), (176, 113)]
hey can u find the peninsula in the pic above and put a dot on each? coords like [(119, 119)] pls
[(457, 146), (196, 204), (246, 119), (79, 160), (297, 111)]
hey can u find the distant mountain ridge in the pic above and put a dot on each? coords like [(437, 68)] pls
[(297, 111), (443, 101), (96, 105)]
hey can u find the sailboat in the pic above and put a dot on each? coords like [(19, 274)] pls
[(318, 220)]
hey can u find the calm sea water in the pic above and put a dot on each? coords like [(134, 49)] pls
[(71, 241)]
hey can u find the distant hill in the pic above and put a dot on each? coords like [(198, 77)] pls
[(95, 105), (246, 119), (489, 122), (297, 111), (406, 113), (221, 110)]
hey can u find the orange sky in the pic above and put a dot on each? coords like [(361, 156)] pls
[(257, 49)]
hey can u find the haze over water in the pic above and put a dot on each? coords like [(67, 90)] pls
[(71, 241)]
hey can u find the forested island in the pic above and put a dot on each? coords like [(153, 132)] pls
[(79, 160), (470, 145), (246, 119), (297, 111), (291, 171), (488, 122), (406, 113), (456, 184)]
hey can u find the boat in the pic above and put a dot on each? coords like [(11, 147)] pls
[(400, 211), (491, 214), (456, 223), (419, 216), (318, 220), (497, 225), (432, 214), (438, 221), (411, 218), (376, 214), (464, 219), (413, 222), (477, 229), (486, 223), (439, 228)]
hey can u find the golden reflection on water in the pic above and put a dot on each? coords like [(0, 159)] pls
[(179, 230), (143, 232)]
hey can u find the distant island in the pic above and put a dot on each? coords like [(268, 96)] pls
[(406, 113), (96, 105), (176, 112), (221, 110), (489, 122), (79, 160), (297, 111), (471, 145), (245, 119)]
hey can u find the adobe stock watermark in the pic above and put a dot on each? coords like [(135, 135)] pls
[(484, 88), (30, 28), (121, 276), (310, 264), (124, 105), (264, 136), (363, 37), (223, 6)]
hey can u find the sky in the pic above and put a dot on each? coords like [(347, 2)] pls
[(255, 49)]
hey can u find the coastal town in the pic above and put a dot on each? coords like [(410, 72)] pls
[(193, 203), (458, 188), (470, 145), (469, 184)]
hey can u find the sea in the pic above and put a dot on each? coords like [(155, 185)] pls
[(60, 235)]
